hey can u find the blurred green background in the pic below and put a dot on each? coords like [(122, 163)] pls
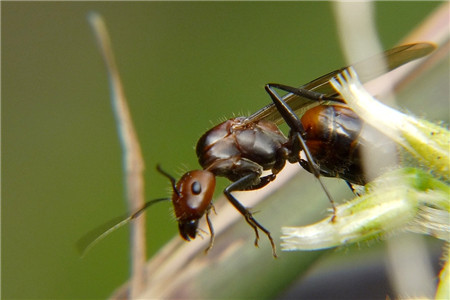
[(185, 66)]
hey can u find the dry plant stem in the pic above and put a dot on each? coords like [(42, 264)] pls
[(132, 158), (435, 29)]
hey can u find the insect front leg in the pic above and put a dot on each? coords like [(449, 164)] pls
[(240, 185), (211, 228)]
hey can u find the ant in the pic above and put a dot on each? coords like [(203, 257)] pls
[(241, 148)]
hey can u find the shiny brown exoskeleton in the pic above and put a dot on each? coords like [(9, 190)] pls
[(240, 149), (332, 135), (339, 128), (329, 135), (189, 204), (237, 147)]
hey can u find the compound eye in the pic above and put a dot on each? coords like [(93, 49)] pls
[(196, 188)]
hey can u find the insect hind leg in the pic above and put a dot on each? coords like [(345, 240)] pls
[(311, 95), (297, 130)]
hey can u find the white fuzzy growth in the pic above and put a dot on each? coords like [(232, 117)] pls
[(397, 200), (426, 141), (387, 120), (362, 218)]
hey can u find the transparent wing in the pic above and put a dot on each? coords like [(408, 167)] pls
[(394, 58)]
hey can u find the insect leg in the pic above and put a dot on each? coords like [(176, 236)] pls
[(240, 185), (304, 92), (211, 229), (263, 182), (352, 187), (297, 129)]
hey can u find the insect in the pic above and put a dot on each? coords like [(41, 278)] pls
[(242, 148)]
